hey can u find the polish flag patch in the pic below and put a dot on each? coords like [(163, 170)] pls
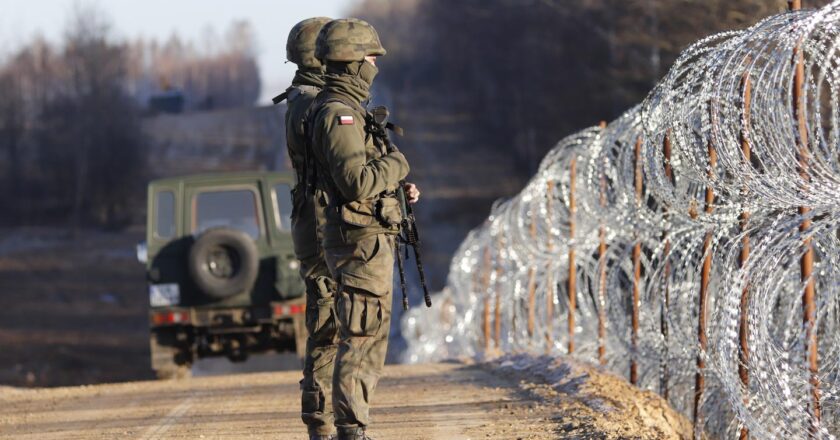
[(345, 120)]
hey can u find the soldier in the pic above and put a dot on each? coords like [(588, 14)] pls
[(307, 216), (359, 177)]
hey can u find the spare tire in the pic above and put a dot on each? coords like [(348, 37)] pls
[(223, 262)]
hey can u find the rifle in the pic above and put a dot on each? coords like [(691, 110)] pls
[(409, 235)]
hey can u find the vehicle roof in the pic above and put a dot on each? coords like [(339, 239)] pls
[(222, 177)]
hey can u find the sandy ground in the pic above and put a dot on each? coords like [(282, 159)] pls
[(435, 401), (517, 397)]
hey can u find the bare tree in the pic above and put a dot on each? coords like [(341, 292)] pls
[(528, 72), (223, 73), (89, 135)]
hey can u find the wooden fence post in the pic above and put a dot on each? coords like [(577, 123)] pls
[(809, 306), (666, 292), (602, 270), (743, 330), (550, 292), (637, 267), (572, 282), (705, 277)]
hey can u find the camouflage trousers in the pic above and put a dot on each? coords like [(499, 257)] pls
[(321, 343), (364, 272)]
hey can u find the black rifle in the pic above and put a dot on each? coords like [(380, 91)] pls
[(409, 236)]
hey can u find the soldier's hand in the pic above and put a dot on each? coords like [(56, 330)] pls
[(412, 192)]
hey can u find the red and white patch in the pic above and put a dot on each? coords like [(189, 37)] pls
[(345, 120)]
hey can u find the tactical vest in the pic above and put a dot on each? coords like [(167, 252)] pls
[(291, 95), (352, 219)]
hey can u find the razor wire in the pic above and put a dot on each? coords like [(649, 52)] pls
[(721, 154)]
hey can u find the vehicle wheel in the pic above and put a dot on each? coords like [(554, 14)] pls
[(224, 262), (174, 372), (169, 361)]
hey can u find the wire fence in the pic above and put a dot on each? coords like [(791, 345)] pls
[(691, 245)]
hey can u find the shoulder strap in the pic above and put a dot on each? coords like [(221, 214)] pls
[(293, 92), (280, 98)]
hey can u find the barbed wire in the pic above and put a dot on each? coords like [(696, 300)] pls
[(688, 223)]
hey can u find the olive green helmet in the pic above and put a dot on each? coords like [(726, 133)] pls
[(347, 40), (300, 47)]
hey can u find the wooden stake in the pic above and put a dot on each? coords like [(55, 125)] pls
[(485, 284), (532, 284), (549, 294), (497, 313), (497, 316), (637, 268), (663, 322), (809, 306), (602, 271), (572, 286), (699, 382), (532, 302), (743, 330)]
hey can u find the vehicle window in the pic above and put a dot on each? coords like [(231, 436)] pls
[(165, 214), (234, 209), (284, 205)]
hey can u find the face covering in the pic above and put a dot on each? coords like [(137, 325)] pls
[(367, 72)]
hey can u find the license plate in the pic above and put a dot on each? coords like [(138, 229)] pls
[(161, 295)]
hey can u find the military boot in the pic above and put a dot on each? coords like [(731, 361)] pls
[(321, 437), (353, 434)]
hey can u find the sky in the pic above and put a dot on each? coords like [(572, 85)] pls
[(159, 19)]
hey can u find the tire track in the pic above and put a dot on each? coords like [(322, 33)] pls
[(157, 431)]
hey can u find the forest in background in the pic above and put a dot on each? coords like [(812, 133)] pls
[(72, 151), (528, 72), (517, 75)]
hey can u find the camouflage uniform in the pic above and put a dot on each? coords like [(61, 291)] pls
[(307, 217), (362, 216)]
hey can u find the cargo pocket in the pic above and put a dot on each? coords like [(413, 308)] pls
[(311, 402), (388, 211), (359, 314), (319, 318), (371, 268), (358, 213), (319, 311)]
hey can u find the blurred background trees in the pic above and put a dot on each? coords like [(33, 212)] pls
[(72, 149), (218, 73), (529, 72), (509, 77)]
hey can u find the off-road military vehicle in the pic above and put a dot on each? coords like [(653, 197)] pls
[(223, 279)]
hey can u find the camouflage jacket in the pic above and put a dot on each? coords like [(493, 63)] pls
[(307, 212), (358, 176)]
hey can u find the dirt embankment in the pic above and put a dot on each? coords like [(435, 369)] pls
[(588, 403)]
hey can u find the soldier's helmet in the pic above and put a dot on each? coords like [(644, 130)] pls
[(300, 46), (347, 40)]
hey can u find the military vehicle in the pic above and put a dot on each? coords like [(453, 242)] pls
[(222, 276)]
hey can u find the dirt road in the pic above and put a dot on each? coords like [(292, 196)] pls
[(437, 401)]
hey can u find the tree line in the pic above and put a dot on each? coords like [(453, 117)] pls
[(72, 150), (529, 72)]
